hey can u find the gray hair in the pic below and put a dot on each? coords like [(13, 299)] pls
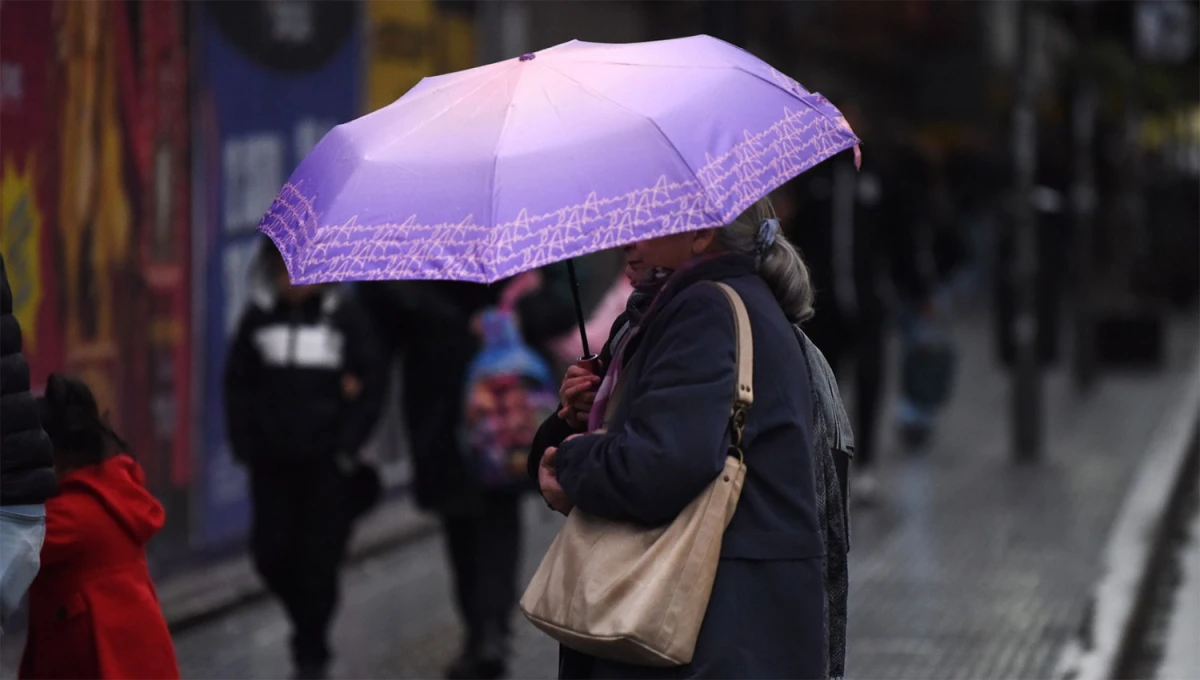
[(780, 265)]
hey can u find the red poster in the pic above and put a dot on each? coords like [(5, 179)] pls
[(165, 254)]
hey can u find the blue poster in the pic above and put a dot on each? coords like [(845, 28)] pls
[(273, 78)]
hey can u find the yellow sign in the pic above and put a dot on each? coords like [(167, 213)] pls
[(20, 241), (410, 40)]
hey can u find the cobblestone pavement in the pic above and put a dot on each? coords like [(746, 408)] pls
[(971, 567)]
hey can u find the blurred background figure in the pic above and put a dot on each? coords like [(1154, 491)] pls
[(863, 233), (435, 327), (304, 387)]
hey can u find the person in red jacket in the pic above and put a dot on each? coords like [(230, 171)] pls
[(93, 610)]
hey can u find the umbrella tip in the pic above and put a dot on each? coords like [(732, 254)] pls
[(528, 56)]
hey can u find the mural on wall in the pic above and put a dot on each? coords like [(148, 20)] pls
[(96, 297), (28, 171), (164, 253)]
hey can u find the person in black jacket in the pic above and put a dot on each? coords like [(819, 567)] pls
[(432, 323), (27, 477), (304, 386), (861, 233)]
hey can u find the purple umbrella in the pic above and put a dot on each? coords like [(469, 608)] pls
[(582, 147)]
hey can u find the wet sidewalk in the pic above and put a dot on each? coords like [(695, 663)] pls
[(980, 568), (970, 567)]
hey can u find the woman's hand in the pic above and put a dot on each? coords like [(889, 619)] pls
[(552, 491), (577, 394)]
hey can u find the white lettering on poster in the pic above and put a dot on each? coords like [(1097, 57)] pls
[(253, 167), (12, 83), (307, 133), (290, 21)]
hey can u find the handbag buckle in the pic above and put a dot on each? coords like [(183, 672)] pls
[(738, 420)]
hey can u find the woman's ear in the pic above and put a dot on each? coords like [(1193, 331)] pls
[(702, 240)]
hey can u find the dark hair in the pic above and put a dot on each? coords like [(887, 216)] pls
[(71, 418)]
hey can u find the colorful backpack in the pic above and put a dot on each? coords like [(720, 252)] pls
[(510, 391)]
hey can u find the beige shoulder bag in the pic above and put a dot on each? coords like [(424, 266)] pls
[(634, 595)]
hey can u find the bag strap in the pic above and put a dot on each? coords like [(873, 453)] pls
[(743, 396)]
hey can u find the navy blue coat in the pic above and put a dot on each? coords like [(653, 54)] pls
[(668, 439)]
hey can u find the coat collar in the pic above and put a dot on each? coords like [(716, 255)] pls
[(704, 268)]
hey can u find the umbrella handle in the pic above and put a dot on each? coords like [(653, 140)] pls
[(591, 364)]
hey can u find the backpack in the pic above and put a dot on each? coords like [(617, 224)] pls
[(833, 448), (510, 391)]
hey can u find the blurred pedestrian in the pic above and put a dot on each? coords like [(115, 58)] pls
[(93, 610), (859, 233), (925, 301), (665, 438), (27, 477), (435, 324), (304, 387)]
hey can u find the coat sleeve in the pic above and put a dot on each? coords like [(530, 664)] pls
[(551, 433), (366, 361), (674, 442), (554, 429), (243, 369), (67, 528)]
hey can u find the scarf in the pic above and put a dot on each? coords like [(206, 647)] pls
[(663, 285), (639, 303)]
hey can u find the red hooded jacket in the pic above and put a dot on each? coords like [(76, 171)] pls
[(93, 611)]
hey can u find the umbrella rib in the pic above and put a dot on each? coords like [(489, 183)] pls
[(496, 155), (715, 204), (383, 148), (440, 88)]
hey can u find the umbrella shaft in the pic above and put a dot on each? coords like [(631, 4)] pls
[(587, 352)]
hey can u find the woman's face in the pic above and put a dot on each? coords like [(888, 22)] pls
[(668, 252)]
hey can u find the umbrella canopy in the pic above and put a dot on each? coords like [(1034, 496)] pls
[(481, 174)]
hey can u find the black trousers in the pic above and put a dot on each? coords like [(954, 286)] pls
[(484, 548), (301, 525)]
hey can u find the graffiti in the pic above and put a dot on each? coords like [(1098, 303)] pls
[(21, 244)]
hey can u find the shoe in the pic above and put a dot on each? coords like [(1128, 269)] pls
[(864, 488), (463, 668), (492, 654), (915, 437), (492, 669), (311, 671)]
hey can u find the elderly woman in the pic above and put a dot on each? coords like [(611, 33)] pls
[(666, 440)]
